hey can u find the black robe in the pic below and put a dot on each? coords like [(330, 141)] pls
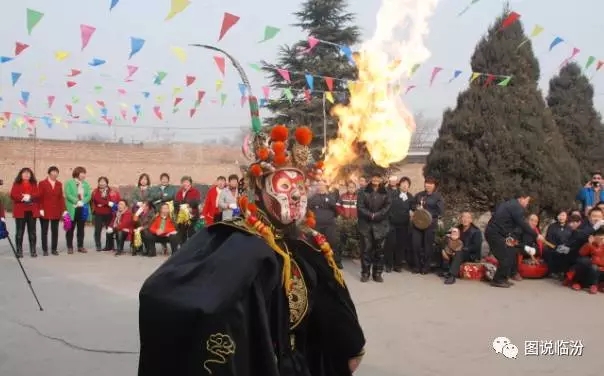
[(218, 307)]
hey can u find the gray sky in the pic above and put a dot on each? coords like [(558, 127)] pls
[(451, 42)]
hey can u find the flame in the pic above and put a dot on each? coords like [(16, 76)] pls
[(376, 115)]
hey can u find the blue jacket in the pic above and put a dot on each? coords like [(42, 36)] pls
[(587, 197)]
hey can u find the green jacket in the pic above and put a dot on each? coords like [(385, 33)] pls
[(166, 195), (137, 196), (71, 196)]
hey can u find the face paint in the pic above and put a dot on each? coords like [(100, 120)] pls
[(284, 196)]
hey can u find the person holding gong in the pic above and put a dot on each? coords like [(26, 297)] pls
[(428, 207)]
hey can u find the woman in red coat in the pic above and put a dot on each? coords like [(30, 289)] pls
[(25, 196), (120, 227), (52, 208), (104, 198)]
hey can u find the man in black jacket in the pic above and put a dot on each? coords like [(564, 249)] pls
[(471, 238), (508, 217), (372, 209), (398, 244), (324, 205)]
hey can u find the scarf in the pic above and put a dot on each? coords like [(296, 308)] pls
[(118, 219), (26, 185)]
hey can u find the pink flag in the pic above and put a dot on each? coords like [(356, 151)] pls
[(157, 112), (22, 103), (108, 120), (243, 101), (69, 108), (228, 20), (51, 100), (131, 70), (435, 72), (128, 80), (220, 63), (177, 101), (121, 91), (266, 90), (134, 119), (307, 95), (599, 65), (124, 113), (190, 80), (192, 112), (409, 88), (74, 72), (71, 84), (312, 42), (86, 32), (200, 95), (100, 103), (284, 73), (576, 51)]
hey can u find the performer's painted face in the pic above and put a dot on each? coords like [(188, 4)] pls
[(284, 196)]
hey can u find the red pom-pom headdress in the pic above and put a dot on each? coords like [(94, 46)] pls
[(274, 150)]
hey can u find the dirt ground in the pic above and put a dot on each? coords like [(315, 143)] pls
[(415, 325)]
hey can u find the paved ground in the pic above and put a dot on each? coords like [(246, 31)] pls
[(415, 325)]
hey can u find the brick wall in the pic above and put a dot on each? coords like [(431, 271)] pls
[(121, 163)]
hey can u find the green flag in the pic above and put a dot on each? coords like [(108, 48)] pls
[(505, 82), (223, 98), (33, 18), (75, 100), (590, 61), (269, 33), (255, 67), (414, 69), (288, 94), (98, 89)]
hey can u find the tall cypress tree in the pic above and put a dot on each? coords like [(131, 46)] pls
[(328, 21), (570, 100), (501, 138)]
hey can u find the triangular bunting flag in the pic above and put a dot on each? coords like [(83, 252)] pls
[(505, 82), (220, 63), (285, 74), (177, 101), (136, 44), (5, 59), (180, 53), (329, 83), (200, 95), (590, 61), (86, 32), (96, 62), (228, 21), (177, 6), (192, 112), (310, 81), (269, 33), (474, 76), (15, 77), (329, 96), (33, 18), (71, 84), (20, 47), (189, 80), (74, 72), (61, 55)]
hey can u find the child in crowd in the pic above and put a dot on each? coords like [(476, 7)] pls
[(590, 265)]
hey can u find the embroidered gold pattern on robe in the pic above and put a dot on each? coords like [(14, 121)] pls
[(220, 346), (298, 297)]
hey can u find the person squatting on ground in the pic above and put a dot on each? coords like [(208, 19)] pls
[(236, 298), (25, 196), (422, 239), (373, 206), (589, 269), (508, 217)]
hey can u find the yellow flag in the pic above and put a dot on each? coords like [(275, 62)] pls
[(159, 98), (57, 119), (20, 122), (474, 76), (536, 31), (218, 85), (90, 110), (176, 90), (123, 105), (329, 96), (177, 6), (180, 53), (42, 79), (61, 55), (2, 122)]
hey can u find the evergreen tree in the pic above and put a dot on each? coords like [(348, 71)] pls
[(329, 21), (502, 138), (570, 100)]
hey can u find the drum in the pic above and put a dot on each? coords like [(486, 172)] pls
[(422, 219), (474, 271)]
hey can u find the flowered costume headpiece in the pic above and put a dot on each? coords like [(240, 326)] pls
[(271, 154)]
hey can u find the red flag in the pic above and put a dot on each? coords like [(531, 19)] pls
[(158, 113), (190, 80), (489, 79), (69, 108), (51, 100), (7, 116), (200, 95), (74, 72), (71, 84), (20, 47), (228, 20), (599, 65), (192, 112), (220, 63), (100, 103), (134, 119), (177, 101), (307, 95), (329, 83), (513, 17)]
